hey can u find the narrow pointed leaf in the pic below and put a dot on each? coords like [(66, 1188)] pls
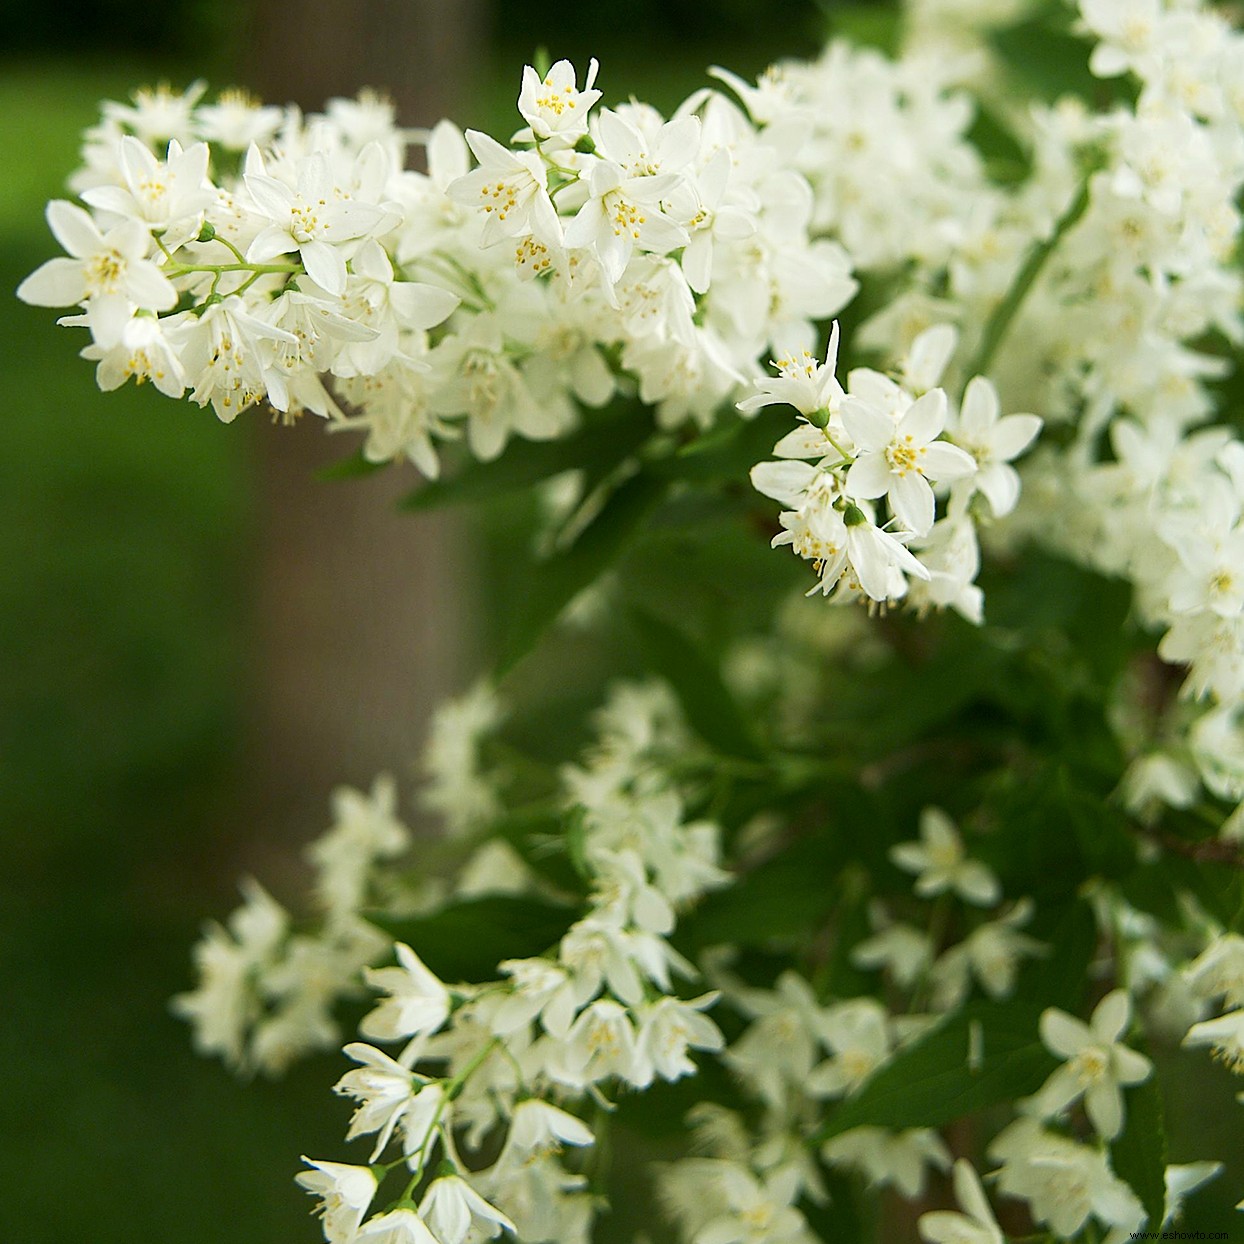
[(706, 702), (553, 583)]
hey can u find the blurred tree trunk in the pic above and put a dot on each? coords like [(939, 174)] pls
[(358, 618)]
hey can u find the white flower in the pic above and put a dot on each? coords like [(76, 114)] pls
[(626, 181), (976, 1225), (993, 443), (667, 1029), (897, 459), (600, 1043), (385, 1090), (1129, 34), (399, 1226), (236, 120), (714, 219), (878, 559), (169, 196), (345, 1192), (418, 1003), (512, 189), (758, 1210), (1224, 1035), (992, 953), (901, 949), (1218, 971), (311, 220), (941, 865), (803, 383), (541, 990), (1063, 1182), (146, 351), (554, 108), (538, 1128), (857, 1035), (885, 1157), (227, 1001), (451, 1207), (1097, 1064), (108, 272), (227, 357)]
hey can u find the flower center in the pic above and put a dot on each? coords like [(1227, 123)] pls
[(904, 456)]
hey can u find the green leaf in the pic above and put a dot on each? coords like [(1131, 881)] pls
[(1050, 61), (353, 467), (984, 1054), (553, 583), (466, 940), (605, 440), (729, 451), (787, 898), (541, 836), (1139, 1154), (706, 702), (865, 25)]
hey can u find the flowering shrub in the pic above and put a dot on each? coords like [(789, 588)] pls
[(919, 875)]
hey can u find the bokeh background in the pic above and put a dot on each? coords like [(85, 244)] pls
[(201, 639)]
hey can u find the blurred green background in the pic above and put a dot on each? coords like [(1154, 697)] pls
[(129, 529), (130, 536)]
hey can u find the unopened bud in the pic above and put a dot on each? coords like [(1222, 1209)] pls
[(207, 233)]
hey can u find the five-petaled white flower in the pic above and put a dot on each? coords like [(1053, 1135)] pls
[(512, 189), (311, 220), (810, 387), (993, 443), (110, 273), (1097, 1063), (898, 458), (553, 107), (941, 864)]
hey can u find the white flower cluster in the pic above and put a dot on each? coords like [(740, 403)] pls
[(883, 144), (266, 994), (250, 255), (882, 438), (489, 1060), (799, 1051)]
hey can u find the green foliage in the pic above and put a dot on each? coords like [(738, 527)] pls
[(706, 703), (982, 1055), (1138, 1155), (466, 940), (552, 583), (606, 439)]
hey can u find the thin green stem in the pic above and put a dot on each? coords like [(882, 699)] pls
[(846, 457), (225, 242), (259, 269), (1006, 310), (450, 1089)]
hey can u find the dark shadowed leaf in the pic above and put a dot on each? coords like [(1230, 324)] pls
[(706, 702), (554, 582), (606, 439), (466, 940), (981, 1055), (1139, 1154)]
